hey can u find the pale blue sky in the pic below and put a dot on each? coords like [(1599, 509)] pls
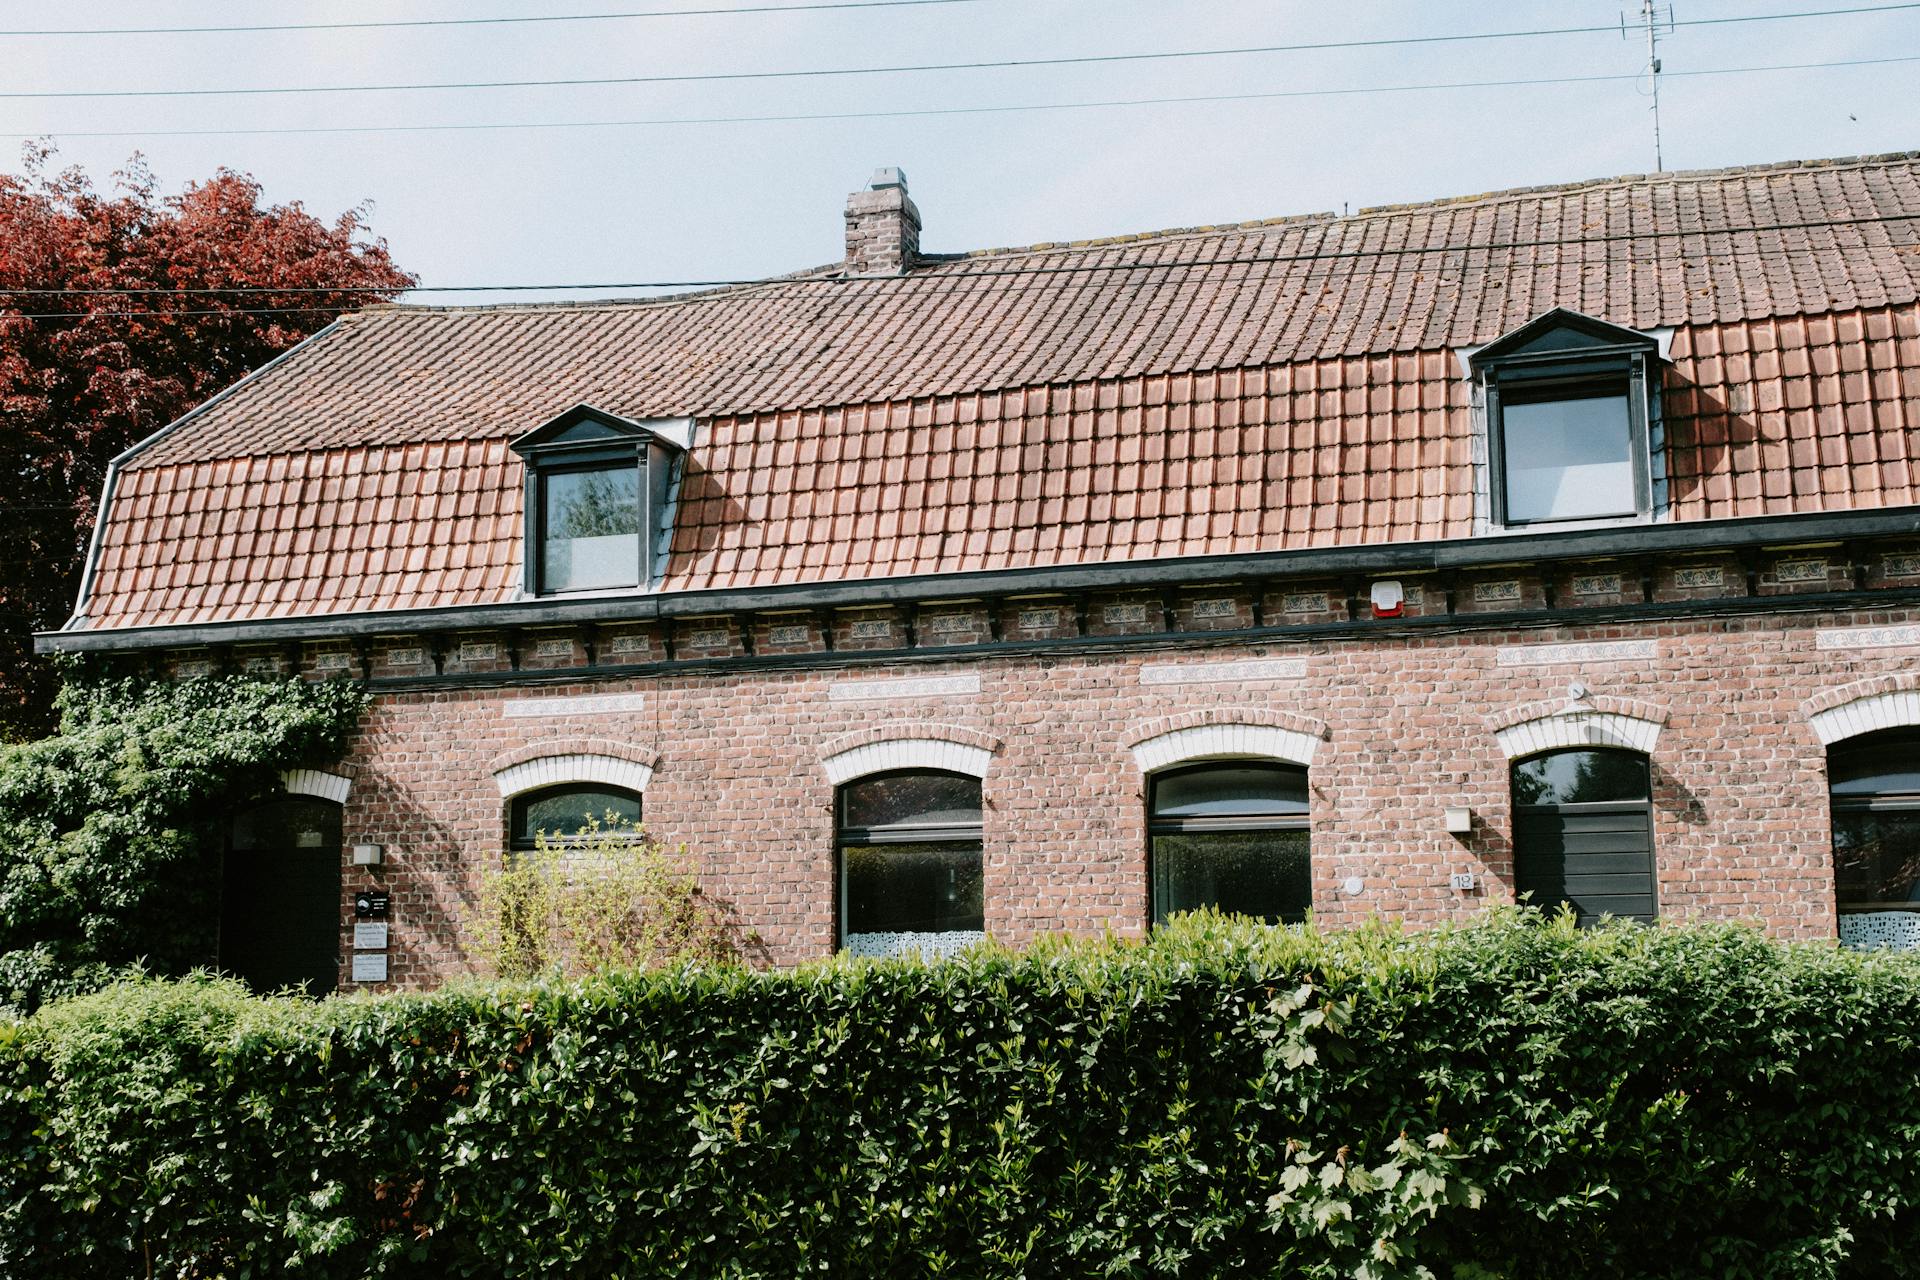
[(746, 200)]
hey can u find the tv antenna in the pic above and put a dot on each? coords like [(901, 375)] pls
[(1651, 22)]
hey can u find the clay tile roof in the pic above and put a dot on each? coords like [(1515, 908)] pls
[(1262, 386)]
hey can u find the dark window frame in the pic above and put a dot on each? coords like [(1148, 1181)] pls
[(901, 833), (1563, 355), (1589, 808), (1518, 379), (545, 463), (1253, 824), (583, 440), (1892, 801), (519, 804)]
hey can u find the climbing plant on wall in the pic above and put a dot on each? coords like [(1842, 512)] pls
[(108, 848)]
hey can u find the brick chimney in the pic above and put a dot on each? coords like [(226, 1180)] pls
[(883, 227)]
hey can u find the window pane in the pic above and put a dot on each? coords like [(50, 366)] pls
[(1230, 791), (1253, 873), (1876, 858), (1567, 458), (913, 888), (564, 812), (920, 799), (1580, 777), (592, 534), (1879, 764)]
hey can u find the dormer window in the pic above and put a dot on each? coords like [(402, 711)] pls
[(596, 497), (1567, 418)]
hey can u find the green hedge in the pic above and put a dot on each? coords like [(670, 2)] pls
[(1506, 1099)]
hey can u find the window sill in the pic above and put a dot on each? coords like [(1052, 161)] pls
[(1557, 526)]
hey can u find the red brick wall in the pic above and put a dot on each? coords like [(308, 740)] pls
[(1739, 790)]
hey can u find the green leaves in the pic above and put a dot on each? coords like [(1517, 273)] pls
[(105, 855), (1514, 1099)]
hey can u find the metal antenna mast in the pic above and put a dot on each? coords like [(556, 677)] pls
[(1650, 21)]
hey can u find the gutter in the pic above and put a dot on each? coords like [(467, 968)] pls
[(1377, 560)]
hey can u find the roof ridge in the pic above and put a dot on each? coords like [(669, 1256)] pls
[(1666, 176), (835, 271)]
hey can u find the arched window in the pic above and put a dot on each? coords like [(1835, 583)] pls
[(909, 854), (1231, 835), (1874, 782), (561, 811), (1583, 833), (280, 896)]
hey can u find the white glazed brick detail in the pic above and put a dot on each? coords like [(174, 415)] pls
[(1578, 729), (550, 771), (316, 782), (1218, 741), (1864, 715), (907, 753)]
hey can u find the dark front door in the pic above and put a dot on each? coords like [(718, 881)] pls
[(280, 902), (1583, 833)]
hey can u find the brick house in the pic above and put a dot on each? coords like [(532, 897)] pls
[(1561, 542)]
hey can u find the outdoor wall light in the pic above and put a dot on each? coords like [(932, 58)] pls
[(1459, 820), (369, 855)]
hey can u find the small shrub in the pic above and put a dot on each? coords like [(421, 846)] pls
[(608, 896)]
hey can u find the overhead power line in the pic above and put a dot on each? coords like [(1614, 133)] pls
[(966, 281), (906, 68), (514, 20), (806, 117)]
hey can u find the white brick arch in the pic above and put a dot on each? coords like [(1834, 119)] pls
[(316, 782), (1581, 728), (1224, 742), (907, 753), (572, 768), (1892, 709)]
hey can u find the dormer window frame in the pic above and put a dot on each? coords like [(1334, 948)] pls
[(584, 440), (1527, 366)]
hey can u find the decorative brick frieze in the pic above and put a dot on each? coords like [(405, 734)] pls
[(903, 687), (1235, 671), (1903, 636), (521, 707), (1575, 655)]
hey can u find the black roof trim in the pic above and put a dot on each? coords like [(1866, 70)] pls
[(1380, 559)]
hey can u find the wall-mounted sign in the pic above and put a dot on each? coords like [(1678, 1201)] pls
[(370, 967), (372, 904), (370, 936)]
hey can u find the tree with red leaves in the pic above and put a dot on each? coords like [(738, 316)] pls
[(85, 375)]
